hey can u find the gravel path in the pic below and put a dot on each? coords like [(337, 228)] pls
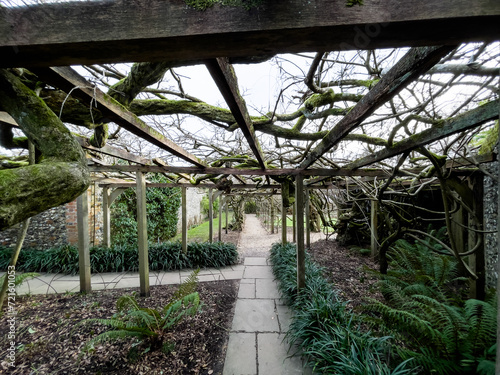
[(255, 241)]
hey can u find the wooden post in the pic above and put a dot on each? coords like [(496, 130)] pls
[(106, 220), (272, 215), (477, 261), (210, 217), (184, 219), (283, 221), (220, 218), (301, 254), (82, 207), (142, 235), (308, 219), (373, 227), (294, 221), (226, 202)]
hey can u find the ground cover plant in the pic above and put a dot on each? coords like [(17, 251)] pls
[(50, 340), (162, 257), (324, 328)]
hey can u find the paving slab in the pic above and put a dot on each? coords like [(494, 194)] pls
[(258, 272), (168, 278), (284, 317), (241, 354), (255, 261), (232, 275), (251, 315), (247, 281), (273, 357), (246, 291), (266, 288)]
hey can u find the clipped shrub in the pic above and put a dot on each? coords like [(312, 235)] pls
[(162, 257)]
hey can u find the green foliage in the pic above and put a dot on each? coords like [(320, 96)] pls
[(149, 325), (250, 207), (441, 332), (164, 256), (323, 328), (162, 206), (205, 205), (19, 277)]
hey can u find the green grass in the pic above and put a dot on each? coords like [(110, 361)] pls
[(200, 232)]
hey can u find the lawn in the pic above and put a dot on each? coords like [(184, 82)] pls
[(200, 232)]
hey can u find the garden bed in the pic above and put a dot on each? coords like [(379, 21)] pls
[(50, 338)]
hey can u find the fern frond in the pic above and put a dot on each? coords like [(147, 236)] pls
[(186, 288), (109, 336), (482, 319)]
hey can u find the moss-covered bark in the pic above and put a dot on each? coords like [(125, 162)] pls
[(62, 174)]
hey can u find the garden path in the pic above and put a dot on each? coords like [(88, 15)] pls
[(261, 319)]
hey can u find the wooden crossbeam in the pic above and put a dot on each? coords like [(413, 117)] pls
[(89, 32), (69, 80), (416, 62), (113, 151), (187, 185), (467, 120), (224, 76)]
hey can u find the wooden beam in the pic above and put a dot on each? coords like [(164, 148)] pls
[(227, 212), (6, 119), (374, 230), (308, 219), (224, 76), (457, 124), (69, 80), (142, 235), (283, 221), (301, 252), (113, 151), (220, 219), (88, 32), (82, 212), (106, 217), (416, 62), (210, 216), (184, 219)]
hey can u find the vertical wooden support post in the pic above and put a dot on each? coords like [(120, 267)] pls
[(373, 226), (220, 218), (283, 221), (184, 219), (210, 216), (226, 203), (301, 253), (142, 235), (82, 207), (479, 257), (106, 219), (272, 215), (308, 219), (294, 221)]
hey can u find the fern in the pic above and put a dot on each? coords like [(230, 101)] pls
[(147, 324)]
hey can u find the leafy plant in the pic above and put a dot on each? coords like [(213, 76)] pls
[(441, 332), (120, 258), (323, 328), (162, 206), (149, 326)]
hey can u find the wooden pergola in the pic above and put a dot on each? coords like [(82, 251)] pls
[(48, 38)]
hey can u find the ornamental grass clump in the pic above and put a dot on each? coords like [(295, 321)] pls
[(326, 332)]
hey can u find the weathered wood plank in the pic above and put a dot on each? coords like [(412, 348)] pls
[(184, 220), (82, 212), (225, 78), (142, 235), (416, 62), (113, 151), (68, 79), (89, 32), (299, 219), (467, 120)]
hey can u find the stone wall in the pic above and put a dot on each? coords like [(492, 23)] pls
[(490, 224), (194, 214)]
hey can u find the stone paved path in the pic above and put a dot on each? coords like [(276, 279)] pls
[(260, 320)]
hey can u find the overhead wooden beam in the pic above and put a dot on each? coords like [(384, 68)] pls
[(70, 81), (187, 185), (416, 62), (457, 124), (88, 32), (6, 119), (224, 76), (253, 172), (113, 151)]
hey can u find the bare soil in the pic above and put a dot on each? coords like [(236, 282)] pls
[(50, 336)]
